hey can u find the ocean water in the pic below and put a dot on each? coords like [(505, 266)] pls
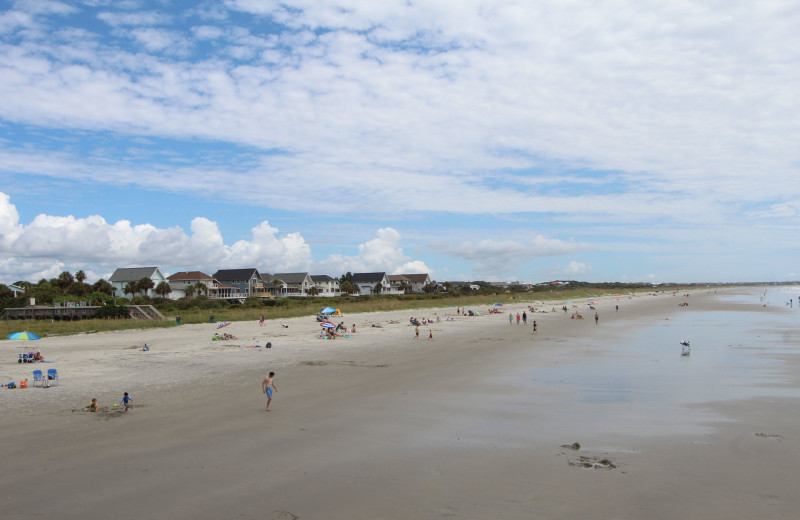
[(643, 385)]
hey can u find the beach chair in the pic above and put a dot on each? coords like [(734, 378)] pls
[(38, 378), (52, 375)]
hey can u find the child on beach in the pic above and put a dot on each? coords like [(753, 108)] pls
[(126, 401), (430, 335), (93, 405)]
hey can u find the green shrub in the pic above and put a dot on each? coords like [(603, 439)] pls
[(112, 311)]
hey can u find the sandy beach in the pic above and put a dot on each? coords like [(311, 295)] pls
[(477, 423)]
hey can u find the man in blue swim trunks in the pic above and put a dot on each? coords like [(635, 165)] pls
[(268, 386)]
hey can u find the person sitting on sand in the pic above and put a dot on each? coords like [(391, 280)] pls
[(354, 328), (38, 356), (93, 407)]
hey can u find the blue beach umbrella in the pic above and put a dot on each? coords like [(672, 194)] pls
[(23, 336), (498, 304), (327, 310)]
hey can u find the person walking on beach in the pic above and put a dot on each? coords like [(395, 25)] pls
[(617, 308), (261, 321), (517, 318), (510, 319), (126, 401), (430, 334), (416, 332), (524, 318), (535, 330), (268, 386), (596, 318)]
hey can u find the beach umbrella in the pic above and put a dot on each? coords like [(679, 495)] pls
[(498, 304), (327, 325), (23, 336), (327, 310)]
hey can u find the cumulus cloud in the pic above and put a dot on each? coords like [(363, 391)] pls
[(50, 244), (382, 253)]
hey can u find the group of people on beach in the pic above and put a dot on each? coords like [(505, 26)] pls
[(126, 401)]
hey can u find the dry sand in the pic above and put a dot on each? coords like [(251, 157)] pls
[(382, 426)]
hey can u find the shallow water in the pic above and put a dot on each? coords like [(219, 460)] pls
[(643, 385)]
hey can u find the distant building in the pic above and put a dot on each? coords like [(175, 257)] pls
[(418, 281), (327, 285), (366, 282), (124, 275), (400, 283), (190, 281), (245, 282), (297, 284), (16, 290)]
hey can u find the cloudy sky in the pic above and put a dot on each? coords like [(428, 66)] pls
[(472, 139)]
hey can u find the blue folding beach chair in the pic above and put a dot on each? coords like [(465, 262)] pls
[(38, 378), (52, 375)]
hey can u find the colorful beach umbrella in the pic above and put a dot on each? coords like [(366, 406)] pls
[(23, 336), (498, 304), (327, 325), (327, 310)]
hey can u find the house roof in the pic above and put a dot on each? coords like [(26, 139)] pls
[(368, 277), (322, 278), (397, 278), (230, 275), (291, 277), (417, 278), (132, 274), (189, 275)]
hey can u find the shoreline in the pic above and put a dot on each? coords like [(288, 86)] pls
[(370, 425)]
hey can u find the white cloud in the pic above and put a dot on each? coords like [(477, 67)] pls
[(577, 269), (504, 256), (379, 254), (52, 243), (117, 19), (44, 7)]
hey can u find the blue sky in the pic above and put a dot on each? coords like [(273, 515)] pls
[(494, 140)]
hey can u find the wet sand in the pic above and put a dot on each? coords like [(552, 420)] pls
[(472, 425)]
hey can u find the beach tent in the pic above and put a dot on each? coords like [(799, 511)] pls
[(327, 310), (337, 312)]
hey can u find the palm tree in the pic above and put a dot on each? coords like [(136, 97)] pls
[(201, 289), (404, 286), (163, 289), (378, 288), (189, 290), (313, 291), (103, 287), (145, 284), (80, 276), (348, 287), (64, 281), (130, 288)]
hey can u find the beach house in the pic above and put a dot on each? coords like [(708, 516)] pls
[(326, 285), (400, 284), (297, 284), (125, 275), (245, 282), (418, 281), (194, 283), (367, 283)]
